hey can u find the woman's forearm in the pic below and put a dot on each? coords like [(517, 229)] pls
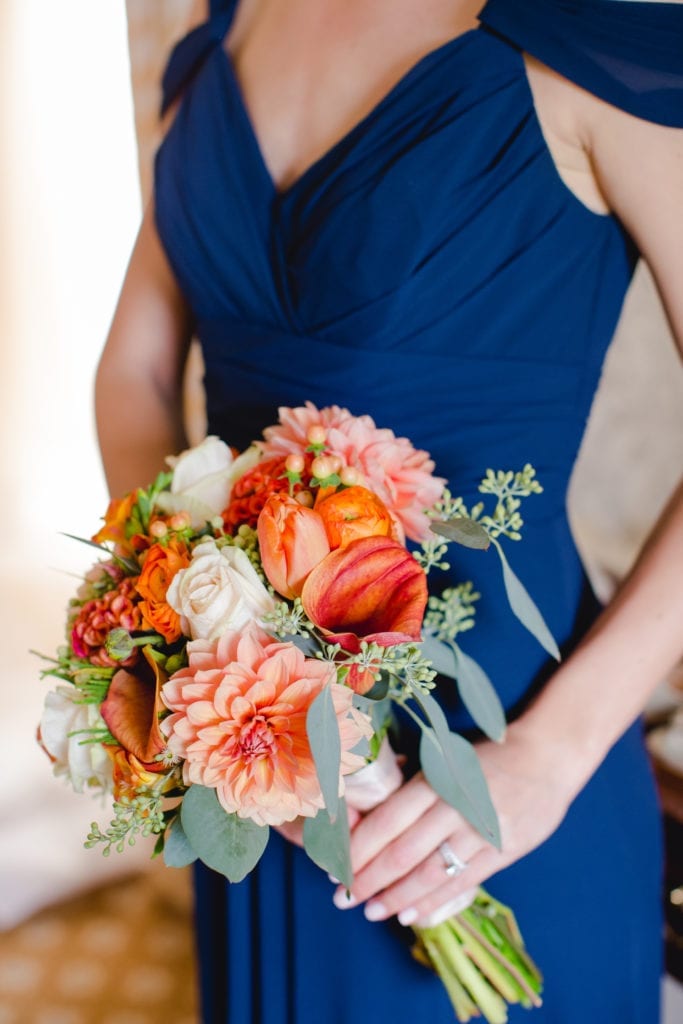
[(604, 685)]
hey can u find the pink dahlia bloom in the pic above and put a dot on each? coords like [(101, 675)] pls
[(239, 723), (399, 474)]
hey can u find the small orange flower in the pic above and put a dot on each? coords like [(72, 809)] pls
[(353, 513), (292, 540), (161, 564), (130, 775), (117, 515)]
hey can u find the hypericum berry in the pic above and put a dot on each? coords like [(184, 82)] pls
[(295, 463), (317, 435), (350, 476), (180, 521), (324, 466), (158, 529), (304, 498)]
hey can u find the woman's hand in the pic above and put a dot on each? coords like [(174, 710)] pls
[(397, 866)]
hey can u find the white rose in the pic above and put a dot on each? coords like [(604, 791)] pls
[(219, 590), (62, 735), (203, 478)]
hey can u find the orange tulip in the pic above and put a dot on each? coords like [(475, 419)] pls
[(353, 513), (292, 540), (372, 589)]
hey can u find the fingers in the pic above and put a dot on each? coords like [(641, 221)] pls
[(449, 909), (434, 906), (388, 821), (408, 891)]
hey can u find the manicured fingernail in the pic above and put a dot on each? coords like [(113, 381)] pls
[(343, 901), (375, 911), (407, 916), (335, 881)]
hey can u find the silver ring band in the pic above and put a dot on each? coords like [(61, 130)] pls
[(452, 863)]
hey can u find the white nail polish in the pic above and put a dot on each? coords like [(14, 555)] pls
[(375, 911), (342, 901), (335, 881), (407, 916)]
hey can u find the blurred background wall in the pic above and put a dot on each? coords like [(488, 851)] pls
[(69, 209)]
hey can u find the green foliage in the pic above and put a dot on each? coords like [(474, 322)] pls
[(177, 849), (141, 815), (524, 607), (322, 729), (91, 681), (288, 620), (479, 696), (246, 539), (230, 845), (509, 488), (327, 843), (452, 613)]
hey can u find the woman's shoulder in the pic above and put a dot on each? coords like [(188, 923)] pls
[(628, 53)]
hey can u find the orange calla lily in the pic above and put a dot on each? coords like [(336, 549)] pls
[(372, 589), (352, 513), (292, 540), (131, 711)]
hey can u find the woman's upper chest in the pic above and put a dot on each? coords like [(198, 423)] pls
[(309, 71)]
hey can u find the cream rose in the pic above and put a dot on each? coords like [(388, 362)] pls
[(63, 737), (203, 478), (219, 590)]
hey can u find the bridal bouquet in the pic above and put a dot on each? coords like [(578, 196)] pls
[(235, 658)]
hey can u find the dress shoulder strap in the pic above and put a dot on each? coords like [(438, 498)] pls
[(188, 55), (627, 52)]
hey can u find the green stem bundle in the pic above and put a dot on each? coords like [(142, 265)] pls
[(481, 960)]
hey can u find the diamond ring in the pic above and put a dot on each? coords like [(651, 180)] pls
[(453, 865)]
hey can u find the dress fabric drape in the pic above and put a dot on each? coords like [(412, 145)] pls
[(431, 269)]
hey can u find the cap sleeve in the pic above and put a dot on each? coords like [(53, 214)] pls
[(627, 52), (189, 54)]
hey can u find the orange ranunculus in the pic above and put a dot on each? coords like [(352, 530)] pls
[(131, 711), (372, 589), (353, 513), (161, 564), (292, 540), (115, 519)]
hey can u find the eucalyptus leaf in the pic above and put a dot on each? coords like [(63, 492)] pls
[(306, 644), (467, 532), (440, 654), (323, 735), (327, 843), (524, 608), (433, 712), (226, 843), (178, 851), (453, 771), (479, 696)]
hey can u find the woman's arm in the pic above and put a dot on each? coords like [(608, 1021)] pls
[(552, 750), (139, 384), (138, 392)]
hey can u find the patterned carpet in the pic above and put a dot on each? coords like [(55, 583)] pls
[(117, 955)]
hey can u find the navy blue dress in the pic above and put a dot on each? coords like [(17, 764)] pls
[(433, 270)]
